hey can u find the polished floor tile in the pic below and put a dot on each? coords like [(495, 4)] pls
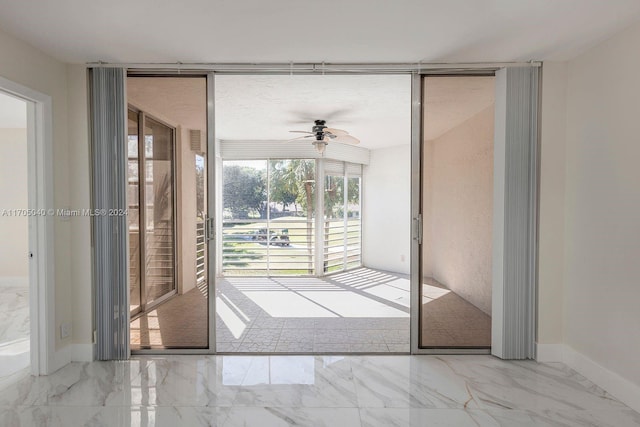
[(304, 390), (14, 329)]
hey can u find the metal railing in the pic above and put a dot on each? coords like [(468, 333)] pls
[(342, 248), (201, 253), (276, 247)]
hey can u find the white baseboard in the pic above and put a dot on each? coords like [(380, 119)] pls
[(546, 353), (60, 359), (22, 281), (616, 385), (82, 352)]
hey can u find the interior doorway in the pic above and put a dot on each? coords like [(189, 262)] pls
[(15, 318), (457, 212)]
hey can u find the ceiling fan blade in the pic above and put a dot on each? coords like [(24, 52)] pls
[(336, 132), (347, 139), (300, 131)]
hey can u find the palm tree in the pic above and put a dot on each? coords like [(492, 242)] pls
[(298, 176)]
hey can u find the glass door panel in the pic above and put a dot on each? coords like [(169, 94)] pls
[(334, 223), (353, 252), (133, 216), (457, 212), (291, 216), (159, 211), (167, 198), (268, 217)]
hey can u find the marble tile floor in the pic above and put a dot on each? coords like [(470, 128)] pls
[(14, 313), (343, 391), (14, 329)]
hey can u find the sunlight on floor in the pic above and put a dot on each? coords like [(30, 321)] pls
[(359, 293), (431, 293), (337, 296), (231, 320)]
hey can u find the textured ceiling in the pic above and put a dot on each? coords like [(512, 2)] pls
[(375, 109), (177, 101), (316, 31)]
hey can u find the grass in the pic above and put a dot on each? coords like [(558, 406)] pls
[(244, 256)]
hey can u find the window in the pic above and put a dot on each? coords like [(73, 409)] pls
[(269, 212)]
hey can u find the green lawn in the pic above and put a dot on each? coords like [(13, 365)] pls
[(244, 256)]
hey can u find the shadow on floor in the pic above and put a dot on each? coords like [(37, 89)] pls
[(363, 310)]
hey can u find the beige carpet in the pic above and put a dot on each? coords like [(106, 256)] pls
[(180, 322), (450, 321)]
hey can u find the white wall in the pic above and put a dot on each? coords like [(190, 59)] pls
[(28, 66), (552, 198), (458, 209), (79, 182), (386, 210), (14, 244), (602, 228)]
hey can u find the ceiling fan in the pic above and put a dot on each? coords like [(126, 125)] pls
[(323, 134)]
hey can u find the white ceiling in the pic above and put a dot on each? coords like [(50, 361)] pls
[(374, 108), (13, 112), (307, 30)]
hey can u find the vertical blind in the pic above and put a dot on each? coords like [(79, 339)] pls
[(109, 203), (517, 261)]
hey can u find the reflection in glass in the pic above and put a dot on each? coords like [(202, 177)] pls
[(133, 216), (169, 164), (457, 212), (281, 370), (159, 210)]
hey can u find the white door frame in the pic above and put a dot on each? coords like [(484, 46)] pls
[(41, 236)]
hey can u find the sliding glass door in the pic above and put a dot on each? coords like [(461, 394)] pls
[(151, 211), (168, 239), (457, 212)]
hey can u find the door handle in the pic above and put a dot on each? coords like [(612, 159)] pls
[(417, 228), (211, 228)]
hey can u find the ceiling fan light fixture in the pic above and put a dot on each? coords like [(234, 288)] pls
[(320, 146), (324, 134)]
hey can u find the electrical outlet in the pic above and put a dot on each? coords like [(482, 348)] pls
[(65, 330)]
